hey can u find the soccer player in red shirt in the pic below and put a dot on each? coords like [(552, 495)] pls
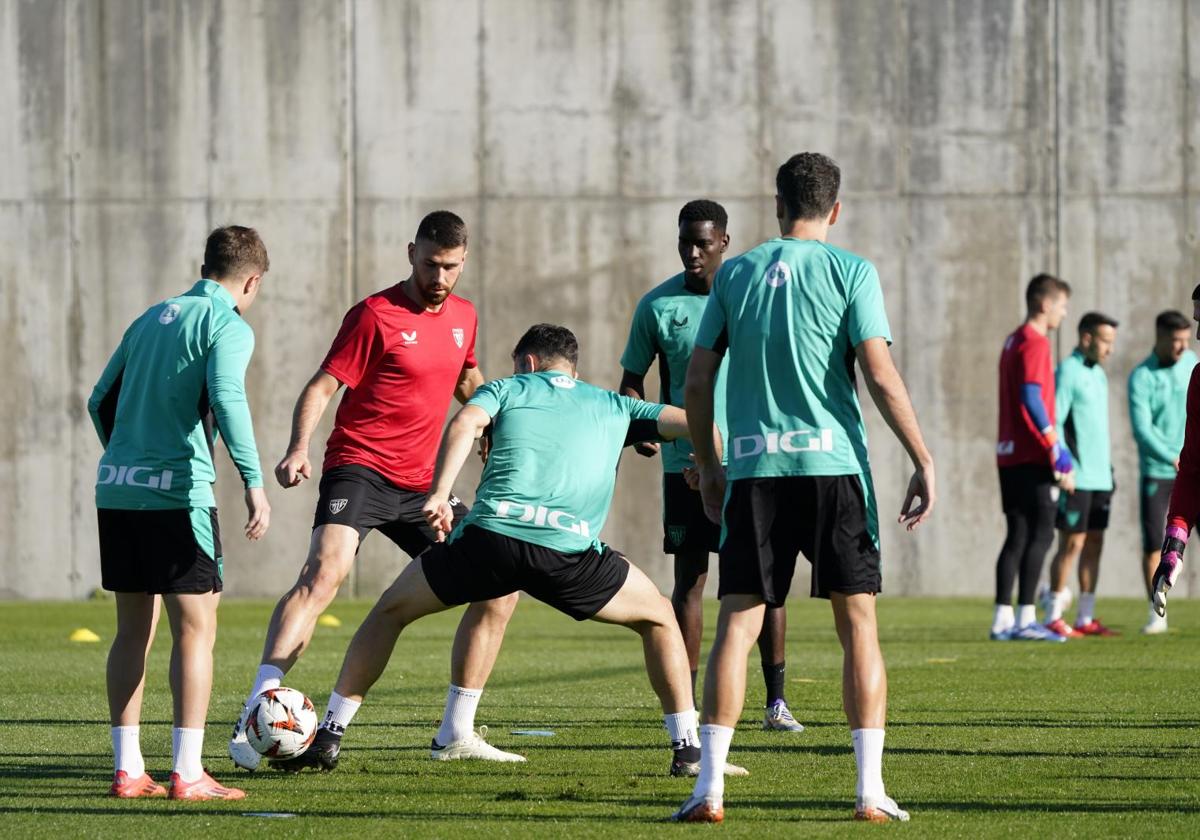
[(1184, 508), (1034, 467), (401, 353)]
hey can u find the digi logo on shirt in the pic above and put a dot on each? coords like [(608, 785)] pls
[(793, 442), (543, 517), (110, 474)]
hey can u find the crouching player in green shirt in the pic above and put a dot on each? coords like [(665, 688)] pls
[(1081, 412), (535, 525), (177, 378)]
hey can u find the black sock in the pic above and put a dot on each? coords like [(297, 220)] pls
[(773, 677)]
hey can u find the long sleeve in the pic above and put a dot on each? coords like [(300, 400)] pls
[(1148, 438), (102, 405), (229, 355)]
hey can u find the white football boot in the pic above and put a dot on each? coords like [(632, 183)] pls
[(473, 746), (879, 809)]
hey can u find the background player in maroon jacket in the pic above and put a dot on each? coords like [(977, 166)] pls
[(1184, 509), (401, 353), (1034, 468)]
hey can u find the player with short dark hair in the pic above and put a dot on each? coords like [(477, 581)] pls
[(401, 353), (1033, 464), (176, 379), (1081, 409), (1158, 413), (793, 314), (1184, 510), (535, 526), (664, 329)]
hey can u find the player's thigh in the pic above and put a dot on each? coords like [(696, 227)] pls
[(854, 615), (1073, 512), (1099, 513), (331, 553), (137, 613), (1155, 497), (758, 553), (476, 565), (637, 601), (192, 613), (410, 596)]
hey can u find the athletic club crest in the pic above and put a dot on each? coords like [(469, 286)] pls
[(457, 332), (676, 533), (336, 506)]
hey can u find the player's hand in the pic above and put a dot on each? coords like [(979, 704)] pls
[(920, 498), (648, 449), (691, 476), (258, 513), (1066, 481), (439, 515), (712, 491), (1176, 465), (293, 469)]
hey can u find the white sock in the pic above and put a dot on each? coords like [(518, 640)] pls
[(1002, 618), (1057, 601), (458, 721), (127, 750), (187, 745), (1087, 608), (339, 712), (268, 677), (714, 750), (868, 754), (684, 729), (1026, 615)]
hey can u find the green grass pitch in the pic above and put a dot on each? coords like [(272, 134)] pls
[(1094, 738)]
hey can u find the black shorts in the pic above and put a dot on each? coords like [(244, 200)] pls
[(1155, 498), (480, 565), (1027, 488), (829, 519), (362, 499), (1084, 510), (160, 552), (685, 527)]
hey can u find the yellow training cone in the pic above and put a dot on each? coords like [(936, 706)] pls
[(83, 635), (327, 620)]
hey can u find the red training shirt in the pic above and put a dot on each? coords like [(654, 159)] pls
[(1184, 507), (400, 364), (1025, 359)]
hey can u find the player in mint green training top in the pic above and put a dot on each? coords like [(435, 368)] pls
[(1158, 414), (176, 381), (536, 523), (1081, 414), (793, 315), (664, 329)]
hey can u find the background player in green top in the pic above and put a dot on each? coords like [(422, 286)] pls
[(536, 522), (664, 328), (175, 381), (792, 315), (1158, 415), (1081, 412)]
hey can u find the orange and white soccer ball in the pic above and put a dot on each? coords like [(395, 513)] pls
[(282, 723)]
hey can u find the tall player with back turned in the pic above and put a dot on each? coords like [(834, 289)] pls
[(401, 354), (664, 328)]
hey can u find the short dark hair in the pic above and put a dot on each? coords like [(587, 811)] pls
[(233, 249), (703, 210), (1171, 320), (808, 185), (1196, 293), (1042, 287), (549, 341), (1091, 321), (444, 229)]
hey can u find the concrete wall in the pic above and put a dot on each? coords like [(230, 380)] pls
[(981, 141)]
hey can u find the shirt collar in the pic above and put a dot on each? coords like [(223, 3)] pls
[(213, 289)]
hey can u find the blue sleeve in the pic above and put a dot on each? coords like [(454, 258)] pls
[(1031, 398), (228, 356)]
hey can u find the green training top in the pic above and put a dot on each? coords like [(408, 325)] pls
[(1081, 413), (180, 359), (1158, 412), (791, 312), (553, 463), (664, 327)]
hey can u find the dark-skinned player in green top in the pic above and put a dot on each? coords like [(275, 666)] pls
[(664, 329)]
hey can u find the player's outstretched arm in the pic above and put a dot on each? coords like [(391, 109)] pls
[(468, 380), (891, 397), (466, 427), (294, 467), (698, 397)]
